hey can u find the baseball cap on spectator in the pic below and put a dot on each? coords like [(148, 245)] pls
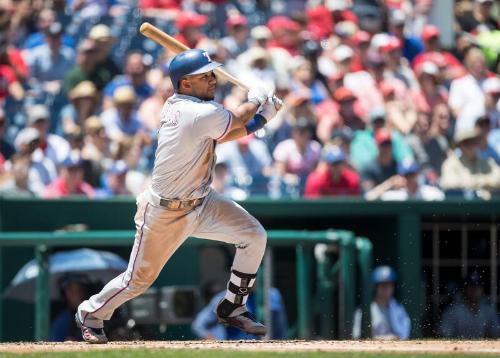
[(37, 113), (55, 29), (408, 167), (74, 160), (343, 94), (100, 32), (118, 168), (429, 32), (333, 154), (427, 68), (236, 20), (189, 19), (393, 44), (464, 134), (383, 274), (124, 94), (83, 89), (397, 18), (261, 32), (319, 22), (283, 23), (492, 85), (345, 29), (361, 37), (25, 137), (383, 135), (342, 53)]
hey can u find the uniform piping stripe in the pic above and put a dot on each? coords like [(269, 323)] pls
[(227, 127), (133, 267)]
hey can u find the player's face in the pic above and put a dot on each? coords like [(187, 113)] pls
[(202, 85)]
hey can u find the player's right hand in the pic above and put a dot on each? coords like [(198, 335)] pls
[(257, 95)]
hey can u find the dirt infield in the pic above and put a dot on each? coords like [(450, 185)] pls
[(489, 347)]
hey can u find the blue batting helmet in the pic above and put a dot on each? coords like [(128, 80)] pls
[(383, 274), (190, 62)]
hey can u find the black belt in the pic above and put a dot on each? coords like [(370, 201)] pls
[(181, 204)]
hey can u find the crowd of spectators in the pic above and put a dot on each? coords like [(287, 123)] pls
[(375, 104)]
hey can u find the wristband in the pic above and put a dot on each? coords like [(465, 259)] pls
[(257, 122)]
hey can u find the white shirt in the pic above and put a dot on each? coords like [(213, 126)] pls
[(467, 99), (424, 192), (185, 157)]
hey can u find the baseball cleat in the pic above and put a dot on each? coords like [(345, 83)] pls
[(91, 335), (246, 322)]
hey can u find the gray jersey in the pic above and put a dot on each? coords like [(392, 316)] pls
[(185, 157)]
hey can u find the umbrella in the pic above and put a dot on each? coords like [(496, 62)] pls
[(96, 265)]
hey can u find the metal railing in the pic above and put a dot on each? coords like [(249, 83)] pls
[(303, 241)]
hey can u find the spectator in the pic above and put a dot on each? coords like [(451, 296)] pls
[(486, 151), (431, 39), (467, 100), (70, 180), (85, 69), (304, 82), (6, 148), (84, 103), (135, 76), (470, 316), (430, 147), (52, 146), (41, 169), (384, 167), (332, 177), (122, 120), (96, 150), (18, 181), (491, 89), (296, 157), (285, 34), (412, 46), (249, 163), (389, 320), (46, 17), (104, 40), (222, 183), (189, 26), (50, 62), (465, 171), (410, 186), (237, 40), (10, 83), (115, 182), (480, 19), (150, 109), (430, 92)]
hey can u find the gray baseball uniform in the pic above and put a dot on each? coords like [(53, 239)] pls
[(183, 171)]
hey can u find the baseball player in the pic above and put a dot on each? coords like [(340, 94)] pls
[(180, 203)]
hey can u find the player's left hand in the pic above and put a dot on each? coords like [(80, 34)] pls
[(270, 107)]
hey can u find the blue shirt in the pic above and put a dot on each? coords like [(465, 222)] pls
[(412, 46), (115, 125), (44, 66), (38, 38)]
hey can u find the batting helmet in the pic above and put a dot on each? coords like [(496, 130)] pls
[(190, 62), (383, 274)]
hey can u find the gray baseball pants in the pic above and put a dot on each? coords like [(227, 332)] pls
[(160, 232)]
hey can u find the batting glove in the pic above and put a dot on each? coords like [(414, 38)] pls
[(270, 107), (257, 95)]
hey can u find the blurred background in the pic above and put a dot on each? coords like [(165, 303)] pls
[(387, 152)]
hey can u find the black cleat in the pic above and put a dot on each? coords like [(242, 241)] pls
[(246, 322), (91, 335)]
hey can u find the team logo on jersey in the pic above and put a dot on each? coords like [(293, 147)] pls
[(207, 56)]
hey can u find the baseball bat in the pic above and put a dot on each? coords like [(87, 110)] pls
[(176, 47)]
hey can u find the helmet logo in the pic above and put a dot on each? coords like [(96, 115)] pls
[(207, 56)]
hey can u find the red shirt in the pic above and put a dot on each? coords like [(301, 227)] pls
[(160, 4), (446, 57), (319, 183), (58, 189)]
